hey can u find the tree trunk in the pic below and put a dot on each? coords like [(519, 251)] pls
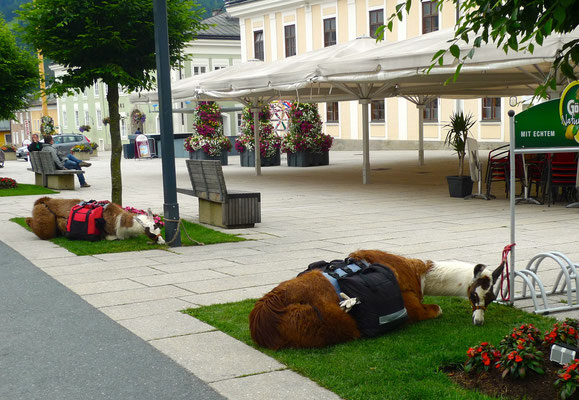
[(116, 150)]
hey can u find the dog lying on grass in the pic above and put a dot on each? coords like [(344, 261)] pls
[(50, 216)]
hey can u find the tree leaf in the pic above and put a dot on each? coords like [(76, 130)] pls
[(438, 54), (513, 44), (471, 53), (455, 51)]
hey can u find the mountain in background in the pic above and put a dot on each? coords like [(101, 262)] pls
[(7, 7)]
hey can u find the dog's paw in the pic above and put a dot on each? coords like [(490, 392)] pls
[(439, 312), (111, 237)]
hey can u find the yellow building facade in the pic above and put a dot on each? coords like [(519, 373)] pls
[(274, 29)]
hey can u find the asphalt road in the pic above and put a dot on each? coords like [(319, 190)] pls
[(54, 345)]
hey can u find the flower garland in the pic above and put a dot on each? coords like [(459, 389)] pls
[(158, 220), (7, 183), (46, 125), (305, 130), (207, 130), (269, 142)]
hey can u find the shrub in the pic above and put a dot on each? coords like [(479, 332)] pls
[(305, 130), (7, 183), (520, 353), (207, 130), (564, 332), (528, 332), (481, 358), (269, 141), (568, 379)]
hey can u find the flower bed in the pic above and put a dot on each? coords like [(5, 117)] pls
[(7, 183), (269, 141), (8, 148), (208, 131), (520, 365), (305, 132)]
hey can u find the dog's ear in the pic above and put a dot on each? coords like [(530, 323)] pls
[(478, 269), (149, 213), (497, 272)]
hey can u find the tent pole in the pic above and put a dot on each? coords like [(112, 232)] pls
[(420, 106), (255, 110), (512, 163), (365, 142)]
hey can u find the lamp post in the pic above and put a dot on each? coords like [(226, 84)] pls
[(170, 207)]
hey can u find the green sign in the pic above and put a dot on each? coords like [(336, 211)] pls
[(554, 123)]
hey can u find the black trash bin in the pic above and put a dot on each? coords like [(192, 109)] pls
[(129, 150)]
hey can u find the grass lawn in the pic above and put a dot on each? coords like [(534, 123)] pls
[(23, 189), (85, 248), (404, 364)]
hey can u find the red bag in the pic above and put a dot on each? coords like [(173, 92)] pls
[(85, 222)]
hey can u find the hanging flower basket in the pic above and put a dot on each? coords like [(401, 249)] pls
[(305, 143), (84, 128), (46, 125), (269, 142), (139, 117), (208, 133)]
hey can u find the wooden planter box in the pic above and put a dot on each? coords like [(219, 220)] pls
[(81, 155), (247, 159), (95, 153), (459, 186), (201, 155), (307, 159), (9, 156)]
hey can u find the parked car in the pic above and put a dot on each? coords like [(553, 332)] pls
[(66, 141), (22, 153)]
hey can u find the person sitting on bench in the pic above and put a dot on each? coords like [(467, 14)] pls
[(70, 162)]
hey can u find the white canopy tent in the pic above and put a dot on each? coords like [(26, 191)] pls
[(364, 70)]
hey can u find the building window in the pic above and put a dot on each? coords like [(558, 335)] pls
[(430, 112), (99, 119), (329, 32), (491, 109), (197, 70), (429, 16), (377, 112), (376, 21), (76, 119), (96, 89), (64, 119), (290, 40), (258, 45), (332, 112), (86, 117)]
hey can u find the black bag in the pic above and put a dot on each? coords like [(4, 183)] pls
[(381, 307)]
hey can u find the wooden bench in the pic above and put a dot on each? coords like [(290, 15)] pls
[(46, 174), (217, 205)]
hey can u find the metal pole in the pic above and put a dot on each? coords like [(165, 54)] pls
[(365, 142), (170, 207), (512, 204), (420, 107), (255, 110)]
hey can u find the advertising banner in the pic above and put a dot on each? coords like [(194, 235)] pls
[(554, 123)]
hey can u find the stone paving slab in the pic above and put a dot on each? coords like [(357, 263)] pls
[(166, 325), (135, 295), (144, 309), (215, 356)]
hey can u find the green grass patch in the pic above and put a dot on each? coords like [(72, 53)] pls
[(404, 364), (23, 189), (85, 248)]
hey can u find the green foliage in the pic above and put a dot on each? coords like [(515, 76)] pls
[(514, 25), (458, 130), (403, 364), (197, 232), (481, 358), (568, 380), (18, 74)]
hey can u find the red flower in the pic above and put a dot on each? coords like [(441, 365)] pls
[(512, 355), (566, 376), (518, 359)]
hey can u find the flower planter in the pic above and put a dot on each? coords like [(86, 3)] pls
[(81, 155), (9, 156), (95, 153), (459, 186), (247, 159), (307, 159), (201, 155)]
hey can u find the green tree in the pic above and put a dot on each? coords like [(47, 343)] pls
[(110, 40), (514, 25), (18, 74)]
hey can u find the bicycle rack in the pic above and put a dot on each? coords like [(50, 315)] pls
[(567, 282)]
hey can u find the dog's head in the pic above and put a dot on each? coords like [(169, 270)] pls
[(480, 291), (151, 229)]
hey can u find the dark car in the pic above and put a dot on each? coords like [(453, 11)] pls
[(66, 141)]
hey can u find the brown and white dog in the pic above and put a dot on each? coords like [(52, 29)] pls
[(50, 216), (305, 311)]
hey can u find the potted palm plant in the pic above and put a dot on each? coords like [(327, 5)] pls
[(457, 131)]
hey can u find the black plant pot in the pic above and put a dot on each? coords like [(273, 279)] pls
[(308, 159), (247, 159), (201, 155), (459, 186)]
